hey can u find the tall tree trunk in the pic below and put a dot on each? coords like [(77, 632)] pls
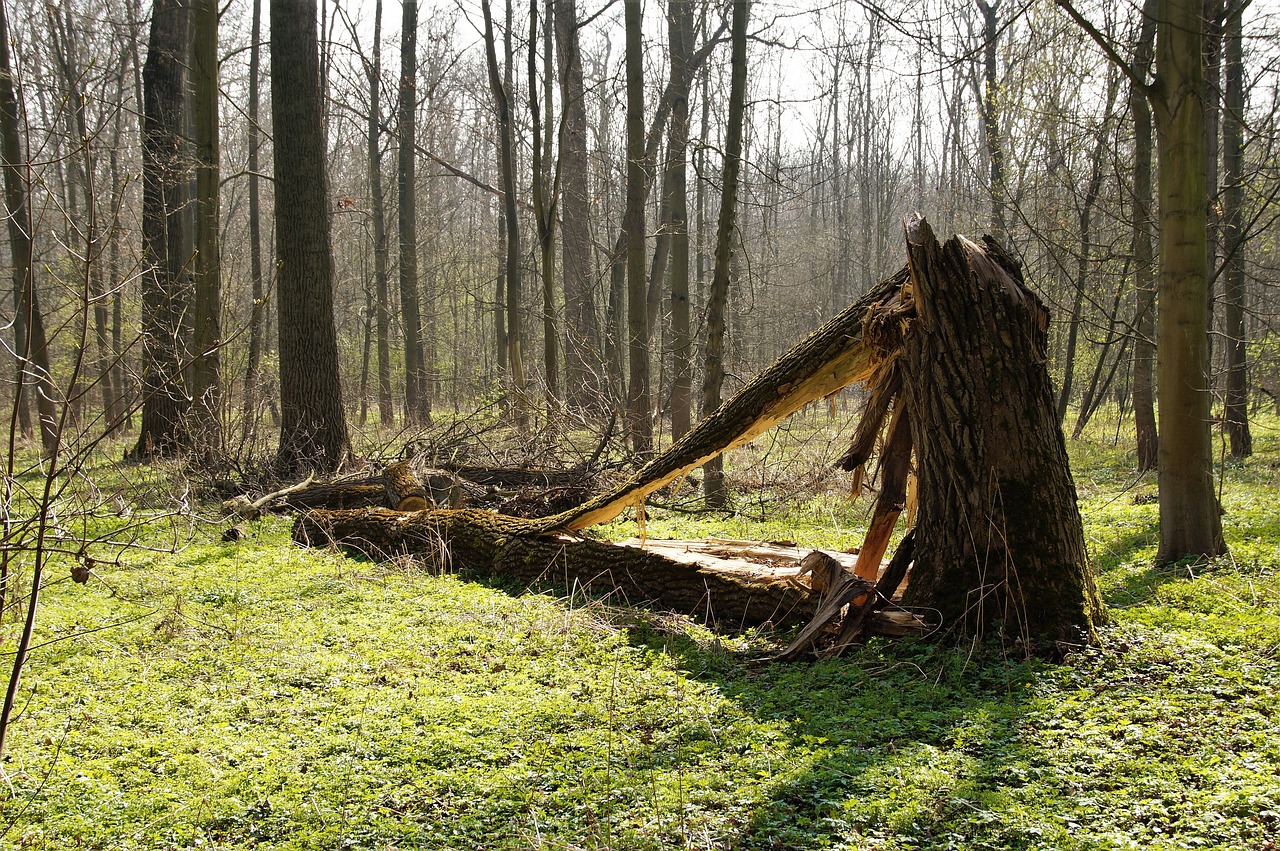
[(583, 385), (544, 208), (313, 428), (32, 348), (417, 392), (206, 378), (1189, 519), (257, 318), (118, 409), (165, 292), (1144, 287), (500, 293), (680, 35), (1236, 410), (373, 73), (639, 416), (1212, 138), (717, 494), (506, 164)]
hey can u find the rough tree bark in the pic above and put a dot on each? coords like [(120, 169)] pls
[(164, 291), (313, 429), (713, 483), (485, 543), (999, 542)]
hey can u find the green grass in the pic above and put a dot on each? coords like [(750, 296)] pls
[(257, 695)]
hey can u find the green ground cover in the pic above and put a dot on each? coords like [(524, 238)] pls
[(256, 695)]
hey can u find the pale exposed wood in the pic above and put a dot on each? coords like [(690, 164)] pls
[(894, 466), (764, 560)]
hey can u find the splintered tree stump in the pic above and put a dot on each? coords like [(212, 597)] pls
[(954, 351), (489, 544), (999, 543)]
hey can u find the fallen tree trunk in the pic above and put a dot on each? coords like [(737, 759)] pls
[(338, 495), (830, 359), (728, 592)]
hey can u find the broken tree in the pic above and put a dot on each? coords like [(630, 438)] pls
[(999, 543), (953, 350)]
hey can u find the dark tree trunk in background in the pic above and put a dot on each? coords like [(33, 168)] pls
[(257, 319), (500, 89), (1212, 17), (206, 373), (583, 383), (165, 289), (717, 494), (990, 107), (382, 288), (639, 415), (999, 542), (680, 29), (313, 428), (544, 207), (1236, 410), (1144, 326), (31, 345), (417, 383)]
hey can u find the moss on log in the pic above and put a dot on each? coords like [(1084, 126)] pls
[(722, 592)]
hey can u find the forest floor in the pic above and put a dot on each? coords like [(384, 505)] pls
[(258, 695)]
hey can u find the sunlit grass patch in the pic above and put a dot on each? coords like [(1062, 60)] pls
[(261, 695)]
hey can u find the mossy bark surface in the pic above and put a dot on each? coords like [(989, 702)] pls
[(487, 544)]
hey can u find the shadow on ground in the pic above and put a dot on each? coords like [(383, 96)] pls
[(901, 739)]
